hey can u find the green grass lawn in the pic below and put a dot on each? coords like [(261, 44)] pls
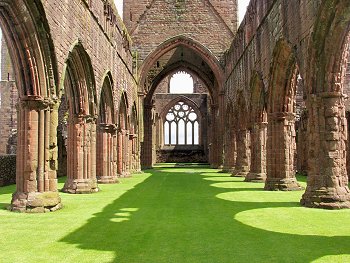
[(187, 214)]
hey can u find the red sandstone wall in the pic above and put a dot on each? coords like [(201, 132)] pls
[(212, 23), (101, 36), (8, 114), (265, 23), (6, 64)]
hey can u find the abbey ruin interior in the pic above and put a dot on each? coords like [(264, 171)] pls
[(88, 94)]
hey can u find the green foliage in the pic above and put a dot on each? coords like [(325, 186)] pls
[(187, 214)]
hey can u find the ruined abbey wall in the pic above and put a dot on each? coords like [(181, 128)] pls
[(265, 23), (97, 25)]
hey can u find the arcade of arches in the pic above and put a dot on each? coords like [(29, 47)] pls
[(88, 95)]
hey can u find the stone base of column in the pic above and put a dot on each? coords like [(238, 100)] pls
[(326, 198), (35, 202), (282, 184), (240, 172), (80, 186), (255, 177), (125, 175), (107, 179), (227, 169)]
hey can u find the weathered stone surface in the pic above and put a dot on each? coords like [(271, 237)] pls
[(80, 186), (282, 184), (35, 202)]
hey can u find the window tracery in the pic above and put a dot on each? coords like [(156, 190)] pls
[(181, 125)]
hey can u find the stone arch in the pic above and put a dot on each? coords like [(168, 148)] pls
[(123, 137), (106, 165), (174, 42), (258, 128), (78, 82), (27, 35), (281, 120), (176, 100), (329, 50), (180, 66), (205, 65)]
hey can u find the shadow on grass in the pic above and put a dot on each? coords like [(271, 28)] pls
[(177, 217)]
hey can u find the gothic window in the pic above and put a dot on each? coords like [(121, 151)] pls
[(181, 125)]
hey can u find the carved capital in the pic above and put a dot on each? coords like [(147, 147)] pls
[(37, 103), (107, 128)]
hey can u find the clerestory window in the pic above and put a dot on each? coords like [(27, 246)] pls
[(181, 125)]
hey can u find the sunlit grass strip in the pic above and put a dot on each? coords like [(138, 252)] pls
[(187, 214)]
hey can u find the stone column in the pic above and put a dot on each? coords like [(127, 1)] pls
[(302, 142), (120, 153), (280, 153), (123, 155), (230, 151), (36, 166), (133, 153), (126, 160), (327, 181), (242, 161), (106, 166), (258, 153), (146, 145), (215, 153), (81, 156)]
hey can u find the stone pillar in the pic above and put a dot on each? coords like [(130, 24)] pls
[(107, 162), (243, 152), (81, 156), (135, 168), (215, 153), (123, 155), (36, 166), (120, 153), (327, 182), (302, 142), (126, 160), (280, 153), (230, 152), (146, 146), (258, 153)]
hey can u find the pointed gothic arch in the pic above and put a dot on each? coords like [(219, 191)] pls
[(78, 82), (281, 120), (123, 137), (258, 128), (27, 34), (327, 185), (106, 166)]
